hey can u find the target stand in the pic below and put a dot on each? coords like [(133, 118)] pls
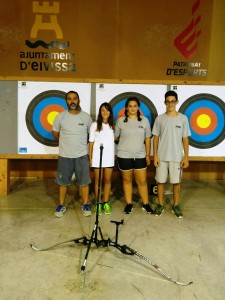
[(108, 242)]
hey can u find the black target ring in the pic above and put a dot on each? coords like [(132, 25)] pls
[(208, 108), (37, 115), (147, 107)]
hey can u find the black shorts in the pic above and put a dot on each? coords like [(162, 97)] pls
[(126, 164)]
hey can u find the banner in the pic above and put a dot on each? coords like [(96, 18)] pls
[(129, 40)]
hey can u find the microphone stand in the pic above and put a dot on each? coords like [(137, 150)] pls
[(94, 236), (108, 242)]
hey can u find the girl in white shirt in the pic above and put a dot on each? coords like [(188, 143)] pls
[(102, 134)]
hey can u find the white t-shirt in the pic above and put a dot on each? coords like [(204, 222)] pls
[(106, 138)]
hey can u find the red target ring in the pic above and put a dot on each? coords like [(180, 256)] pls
[(210, 121), (46, 112), (40, 115), (206, 115)]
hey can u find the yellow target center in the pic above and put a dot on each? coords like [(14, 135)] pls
[(203, 121), (51, 117)]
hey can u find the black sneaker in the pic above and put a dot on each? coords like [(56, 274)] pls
[(178, 213), (147, 208), (128, 208)]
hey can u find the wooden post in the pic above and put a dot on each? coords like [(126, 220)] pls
[(4, 177)]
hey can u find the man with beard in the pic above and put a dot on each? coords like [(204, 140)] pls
[(71, 129)]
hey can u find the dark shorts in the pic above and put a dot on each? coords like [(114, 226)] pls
[(67, 166), (126, 164)]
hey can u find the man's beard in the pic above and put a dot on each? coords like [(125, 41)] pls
[(74, 107)]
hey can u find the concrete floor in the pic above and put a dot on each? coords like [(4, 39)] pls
[(188, 249)]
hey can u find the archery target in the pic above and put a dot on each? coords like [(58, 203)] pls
[(41, 113), (38, 105), (206, 117), (151, 98), (205, 109), (146, 108), (117, 94)]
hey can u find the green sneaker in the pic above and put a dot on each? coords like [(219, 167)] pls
[(159, 210), (176, 209), (99, 209), (107, 208)]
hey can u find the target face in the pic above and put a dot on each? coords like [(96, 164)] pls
[(41, 113), (38, 104), (206, 115), (146, 108)]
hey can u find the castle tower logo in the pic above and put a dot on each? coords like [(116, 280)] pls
[(51, 12), (43, 55)]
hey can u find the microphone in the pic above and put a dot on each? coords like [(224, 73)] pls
[(101, 146)]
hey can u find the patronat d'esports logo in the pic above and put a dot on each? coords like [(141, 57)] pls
[(46, 55), (187, 41), (187, 44)]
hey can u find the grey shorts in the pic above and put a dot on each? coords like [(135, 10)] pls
[(171, 169), (67, 166)]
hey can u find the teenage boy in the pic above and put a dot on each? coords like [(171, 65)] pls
[(170, 150)]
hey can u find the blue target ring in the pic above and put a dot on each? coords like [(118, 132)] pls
[(146, 106), (211, 108), (37, 114), (39, 109)]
